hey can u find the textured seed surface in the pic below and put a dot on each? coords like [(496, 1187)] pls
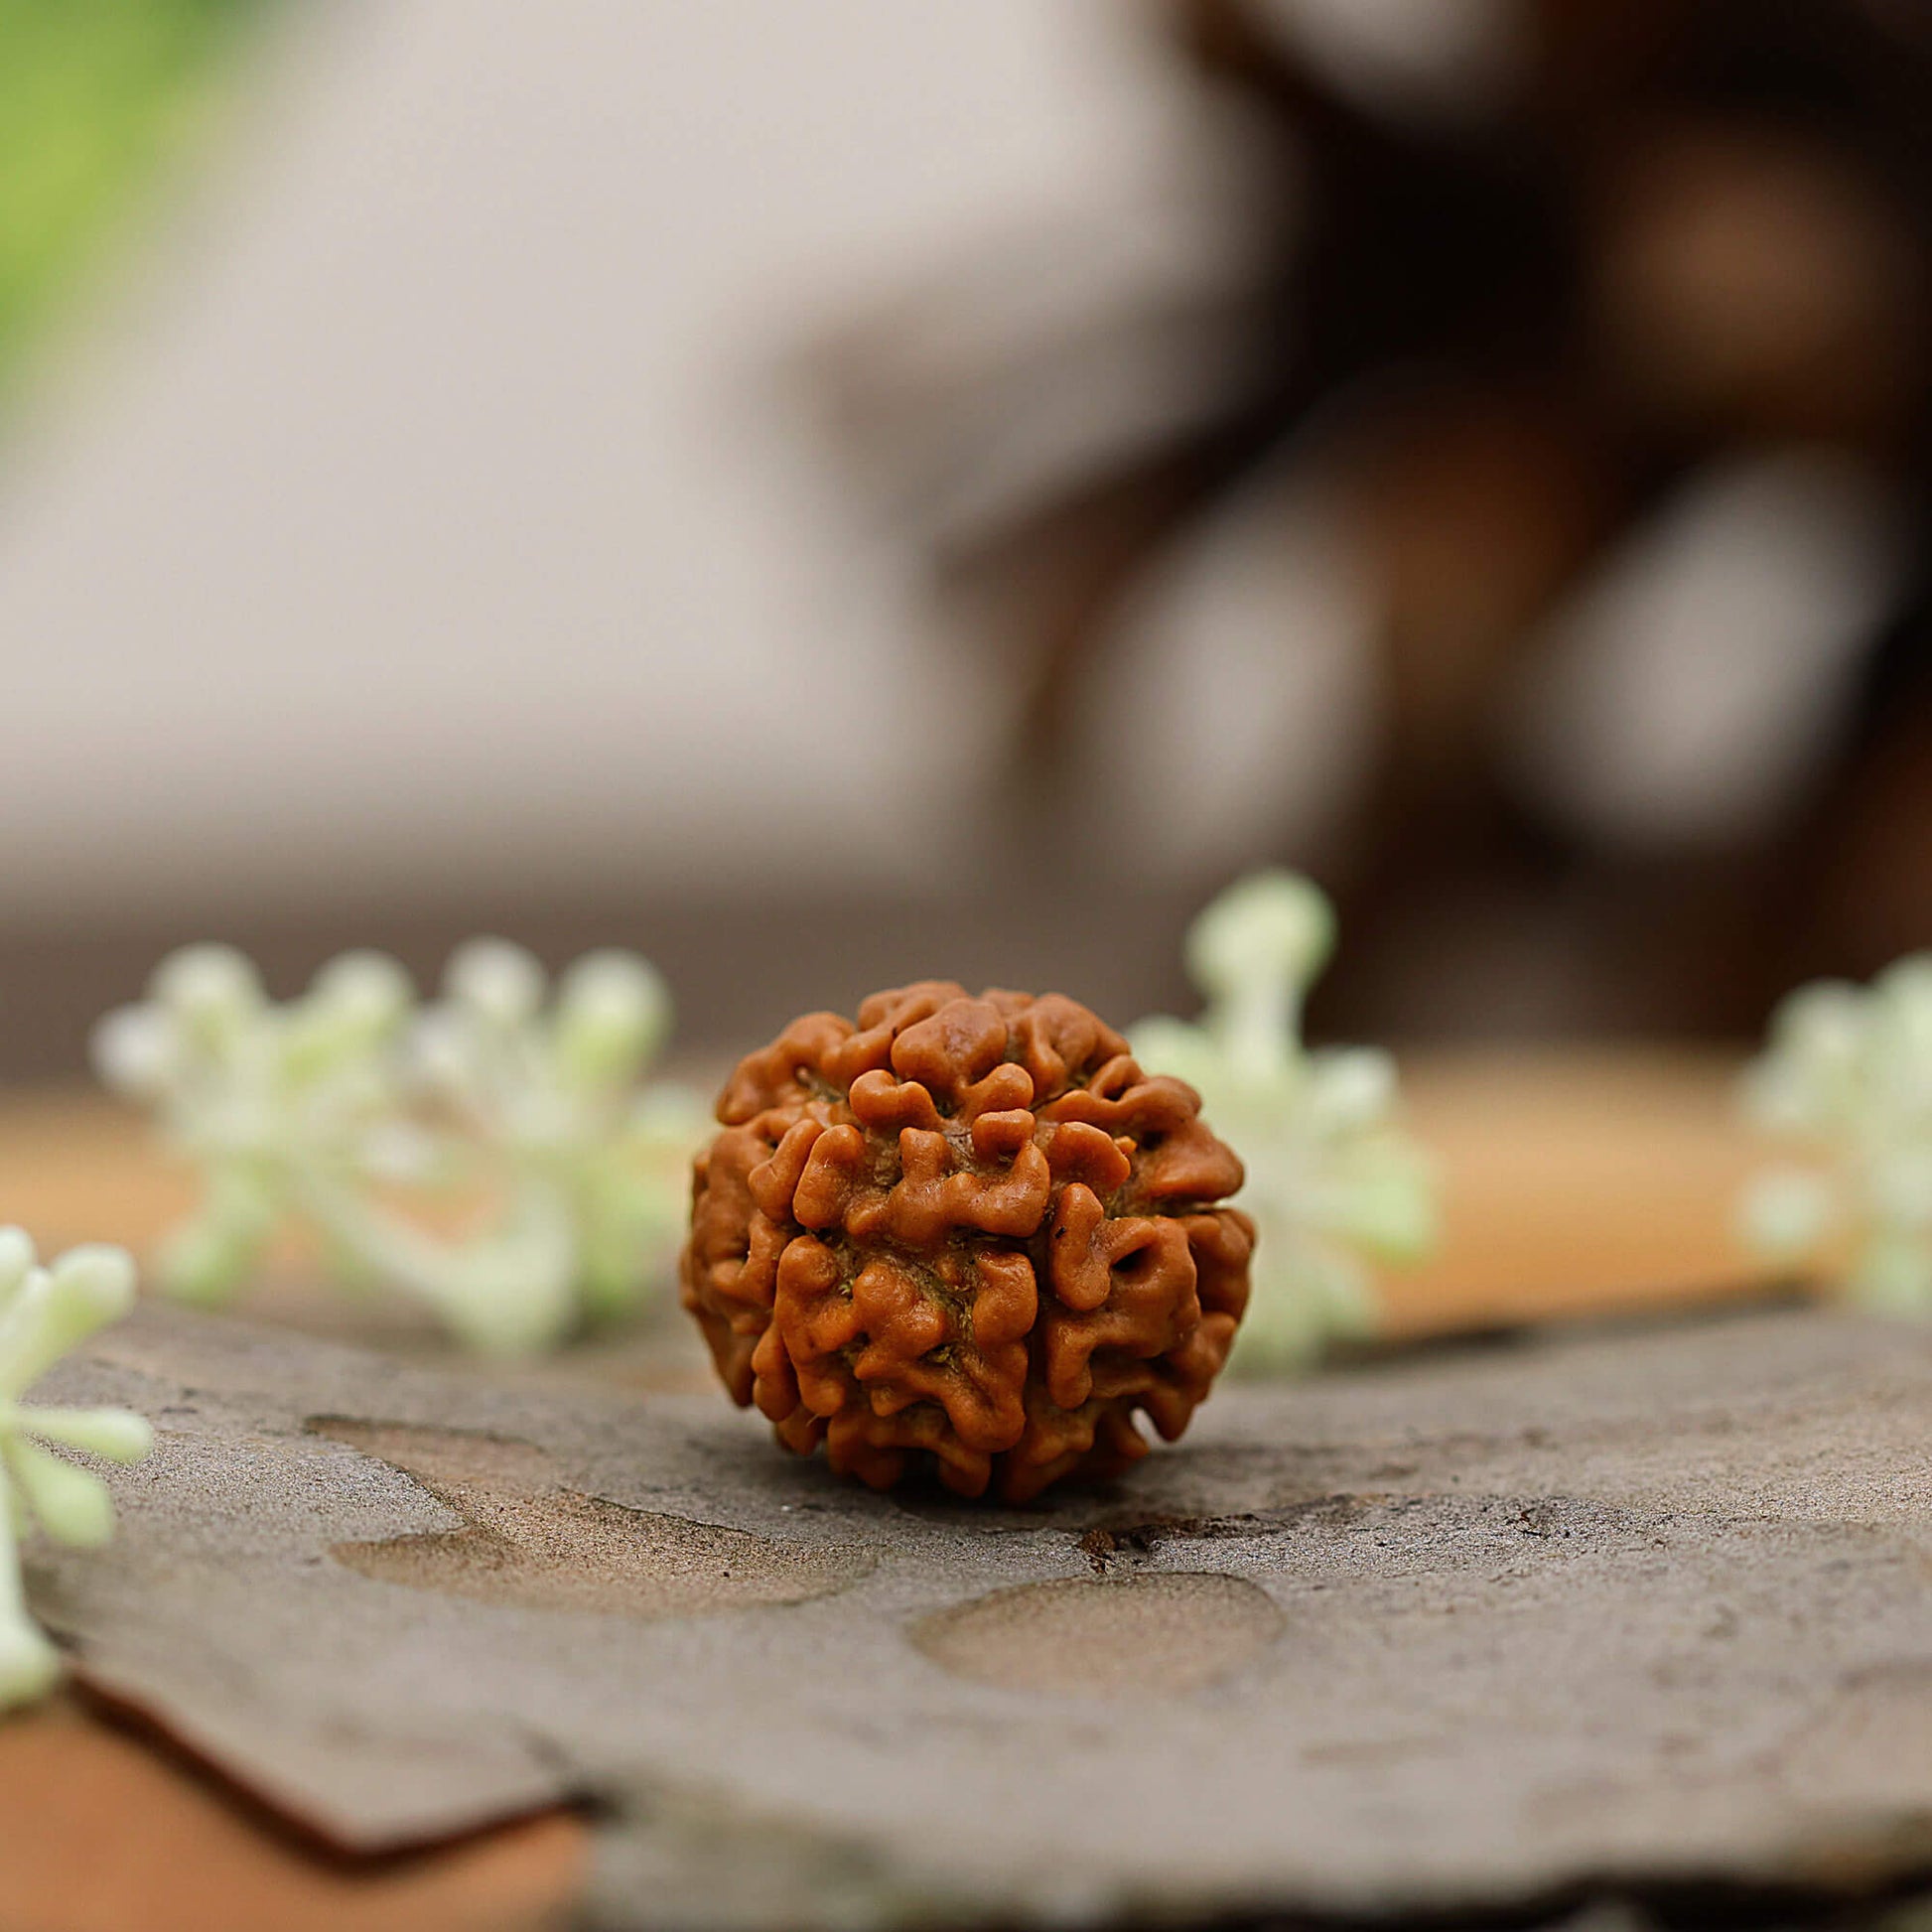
[(966, 1237)]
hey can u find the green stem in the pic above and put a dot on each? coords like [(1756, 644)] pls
[(1260, 1025), (508, 1292)]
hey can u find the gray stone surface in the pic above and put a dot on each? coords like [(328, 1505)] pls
[(1449, 1634)]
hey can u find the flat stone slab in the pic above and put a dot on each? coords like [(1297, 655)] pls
[(1454, 1634)]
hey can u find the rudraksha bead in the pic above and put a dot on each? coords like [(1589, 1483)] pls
[(965, 1235)]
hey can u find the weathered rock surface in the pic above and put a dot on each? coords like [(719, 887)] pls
[(1620, 1609)]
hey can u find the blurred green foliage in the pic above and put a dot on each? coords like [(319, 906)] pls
[(93, 94)]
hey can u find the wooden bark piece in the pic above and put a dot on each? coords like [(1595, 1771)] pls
[(1630, 1607), (100, 1834)]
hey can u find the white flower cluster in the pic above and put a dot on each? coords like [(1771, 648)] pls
[(1846, 1076), (1333, 1184), (320, 1109), (43, 1313)]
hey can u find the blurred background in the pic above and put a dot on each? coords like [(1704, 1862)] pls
[(830, 494)]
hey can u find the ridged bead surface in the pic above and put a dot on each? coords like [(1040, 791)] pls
[(968, 1235)]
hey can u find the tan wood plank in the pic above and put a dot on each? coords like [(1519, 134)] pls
[(102, 1831)]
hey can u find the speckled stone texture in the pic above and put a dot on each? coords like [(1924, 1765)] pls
[(966, 1238), (1476, 1634)]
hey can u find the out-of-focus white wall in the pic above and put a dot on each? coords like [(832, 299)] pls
[(429, 510)]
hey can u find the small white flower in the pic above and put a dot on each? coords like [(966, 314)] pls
[(501, 983), (138, 1051), (300, 1111), (43, 1313), (210, 990), (1787, 1212), (1332, 1183), (365, 995), (613, 1012), (1847, 1078)]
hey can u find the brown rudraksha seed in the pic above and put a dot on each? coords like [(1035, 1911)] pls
[(966, 1235)]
